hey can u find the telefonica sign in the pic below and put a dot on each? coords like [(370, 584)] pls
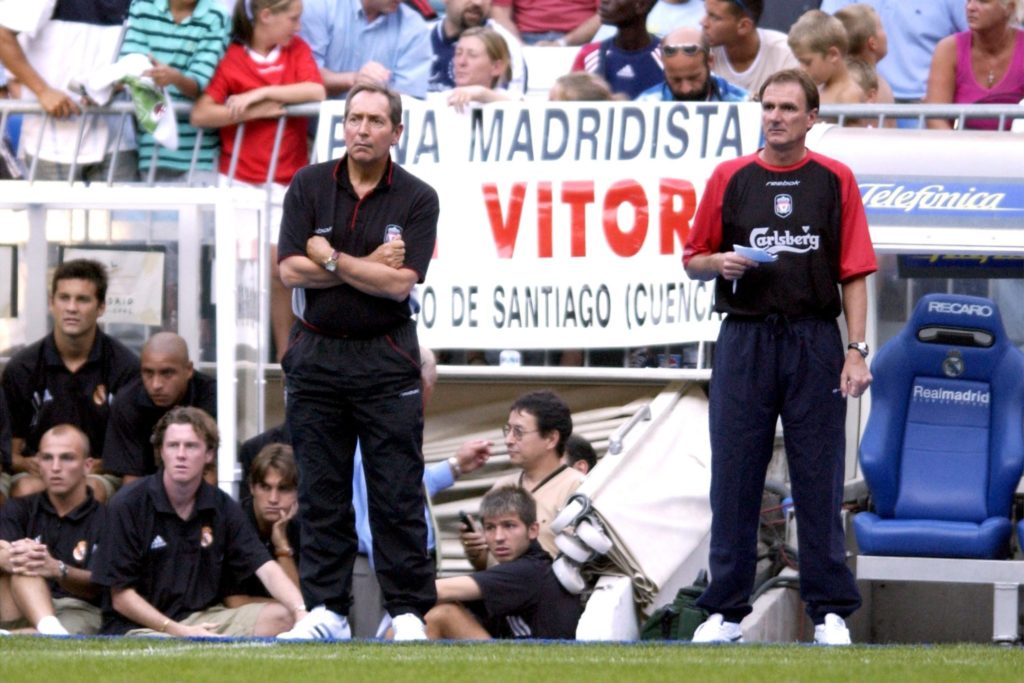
[(929, 197)]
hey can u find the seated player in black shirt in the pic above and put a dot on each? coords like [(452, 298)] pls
[(517, 598), (47, 542), (271, 510)]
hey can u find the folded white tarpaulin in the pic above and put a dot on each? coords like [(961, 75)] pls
[(652, 500)]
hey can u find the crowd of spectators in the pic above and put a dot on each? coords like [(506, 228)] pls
[(243, 61)]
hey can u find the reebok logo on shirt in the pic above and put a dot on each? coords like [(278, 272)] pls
[(157, 543), (325, 230)]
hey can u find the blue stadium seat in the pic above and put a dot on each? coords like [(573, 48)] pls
[(943, 448)]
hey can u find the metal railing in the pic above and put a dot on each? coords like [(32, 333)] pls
[(881, 114), (960, 114)]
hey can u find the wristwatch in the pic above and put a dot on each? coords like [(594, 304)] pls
[(859, 347), (330, 264), (62, 569)]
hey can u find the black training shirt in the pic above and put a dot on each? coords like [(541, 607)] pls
[(127, 448), (73, 539), (322, 201), (523, 599), (178, 566), (41, 392)]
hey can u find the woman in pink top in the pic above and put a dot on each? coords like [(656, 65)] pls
[(984, 65)]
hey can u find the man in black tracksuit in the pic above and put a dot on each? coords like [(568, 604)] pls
[(356, 236)]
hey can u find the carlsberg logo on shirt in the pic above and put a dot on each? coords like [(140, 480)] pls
[(775, 241)]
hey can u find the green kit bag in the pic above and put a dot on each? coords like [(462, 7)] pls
[(678, 619)]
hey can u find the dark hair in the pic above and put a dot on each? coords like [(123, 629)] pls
[(394, 99), (242, 23), (551, 413), (200, 421), (578, 448), (509, 500), (82, 269), (798, 76), (277, 456), (752, 8)]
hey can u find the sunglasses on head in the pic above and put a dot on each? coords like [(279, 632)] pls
[(743, 7), (688, 49)]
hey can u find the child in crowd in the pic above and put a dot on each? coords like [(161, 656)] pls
[(519, 597), (267, 67), (184, 40), (864, 75), (580, 86), (818, 40), (867, 41)]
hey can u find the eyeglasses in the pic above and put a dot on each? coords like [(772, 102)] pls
[(688, 49), (517, 432)]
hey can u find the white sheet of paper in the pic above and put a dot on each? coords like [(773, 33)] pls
[(754, 254)]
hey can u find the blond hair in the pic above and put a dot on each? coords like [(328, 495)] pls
[(861, 23), (496, 48), (863, 73), (818, 31)]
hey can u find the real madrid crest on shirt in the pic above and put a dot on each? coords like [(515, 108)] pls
[(783, 205), (80, 551), (206, 537)]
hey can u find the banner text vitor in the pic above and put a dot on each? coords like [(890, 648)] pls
[(563, 226)]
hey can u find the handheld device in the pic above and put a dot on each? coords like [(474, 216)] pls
[(467, 521)]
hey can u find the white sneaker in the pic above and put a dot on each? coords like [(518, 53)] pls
[(716, 629), (408, 626), (51, 626), (832, 632), (319, 624)]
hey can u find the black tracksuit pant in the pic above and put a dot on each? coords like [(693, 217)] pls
[(764, 368), (341, 390)]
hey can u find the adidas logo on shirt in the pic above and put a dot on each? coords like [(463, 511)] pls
[(626, 72), (157, 543)]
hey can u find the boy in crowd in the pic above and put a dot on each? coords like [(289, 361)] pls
[(519, 597), (867, 41), (47, 541), (819, 42)]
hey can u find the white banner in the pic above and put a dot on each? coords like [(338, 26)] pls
[(562, 226)]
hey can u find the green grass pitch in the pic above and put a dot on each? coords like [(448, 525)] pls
[(36, 659)]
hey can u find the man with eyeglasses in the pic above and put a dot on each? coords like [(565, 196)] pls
[(688, 77), (539, 424), (744, 54)]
